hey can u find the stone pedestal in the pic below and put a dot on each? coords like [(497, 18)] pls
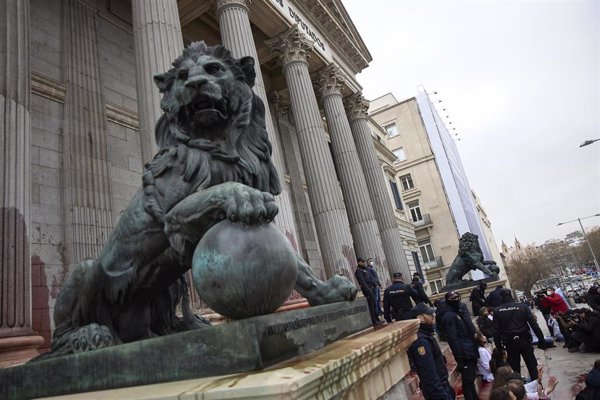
[(239, 346), (370, 365)]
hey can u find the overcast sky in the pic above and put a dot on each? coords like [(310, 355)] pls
[(521, 83)]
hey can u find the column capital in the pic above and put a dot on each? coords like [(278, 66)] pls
[(330, 80), (356, 106), (221, 5), (292, 45)]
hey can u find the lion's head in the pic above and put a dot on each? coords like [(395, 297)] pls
[(469, 245), (208, 97)]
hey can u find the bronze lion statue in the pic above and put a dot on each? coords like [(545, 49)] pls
[(214, 163), (469, 258)]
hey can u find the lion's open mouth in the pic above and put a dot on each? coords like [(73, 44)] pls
[(204, 110)]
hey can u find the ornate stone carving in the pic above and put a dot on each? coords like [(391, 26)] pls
[(331, 80), (292, 45), (356, 106)]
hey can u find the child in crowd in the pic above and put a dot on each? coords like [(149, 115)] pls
[(485, 356)]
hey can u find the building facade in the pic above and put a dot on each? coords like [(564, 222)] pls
[(78, 90), (434, 186)]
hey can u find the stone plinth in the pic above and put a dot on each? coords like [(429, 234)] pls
[(365, 366), (465, 289), (239, 346)]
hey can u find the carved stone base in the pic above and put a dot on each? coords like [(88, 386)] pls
[(238, 346), (18, 349), (369, 365)]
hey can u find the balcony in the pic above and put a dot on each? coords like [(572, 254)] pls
[(437, 262), (423, 222)]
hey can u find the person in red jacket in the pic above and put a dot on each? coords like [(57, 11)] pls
[(554, 301)]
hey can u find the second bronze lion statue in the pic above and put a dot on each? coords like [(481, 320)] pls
[(470, 257), (213, 163)]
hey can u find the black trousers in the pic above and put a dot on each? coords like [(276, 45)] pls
[(468, 373), (520, 346), (371, 304)]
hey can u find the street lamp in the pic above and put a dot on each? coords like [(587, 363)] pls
[(585, 234), (588, 142)]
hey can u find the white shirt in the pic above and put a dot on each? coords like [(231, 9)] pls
[(483, 364)]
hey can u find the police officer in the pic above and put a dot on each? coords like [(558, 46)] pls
[(511, 332), (396, 299), (460, 334), (426, 358), (363, 277), (418, 286)]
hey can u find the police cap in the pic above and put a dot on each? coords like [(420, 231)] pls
[(397, 276)]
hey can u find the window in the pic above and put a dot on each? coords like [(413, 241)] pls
[(399, 153), (415, 211), (392, 130), (436, 286), (427, 253), (396, 195), (407, 182)]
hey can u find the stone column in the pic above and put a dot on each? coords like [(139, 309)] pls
[(158, 41), (328, 208), (236, 34), (17, 340), (357, 108), (363, 225)]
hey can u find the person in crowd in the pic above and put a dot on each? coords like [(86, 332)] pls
[(485, 356), (554, 328), (592, 384), (570, 323), (461, 339), (511, 329), (418, 286), (555, 301), (427, 359), (587, 331), (376, 288), (477, 297), (502, 393), (396, 300), (485, 323), (363, 277), (592, 298), (498, 360), (545, 310), (494, 299)]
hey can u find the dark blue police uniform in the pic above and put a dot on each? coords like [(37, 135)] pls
[(427, 360)]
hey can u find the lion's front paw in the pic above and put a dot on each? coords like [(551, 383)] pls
[(250, 206), (90, 337)]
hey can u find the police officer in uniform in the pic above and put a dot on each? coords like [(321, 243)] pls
[(427, 359), (396, 300), (363, 277), (460, 334), (511, 332)]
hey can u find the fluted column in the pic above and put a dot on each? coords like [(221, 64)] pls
[(363, 225), (86, 172), (328, 208), (391, 240), (236, 34), (17, 342), (158, 42)]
